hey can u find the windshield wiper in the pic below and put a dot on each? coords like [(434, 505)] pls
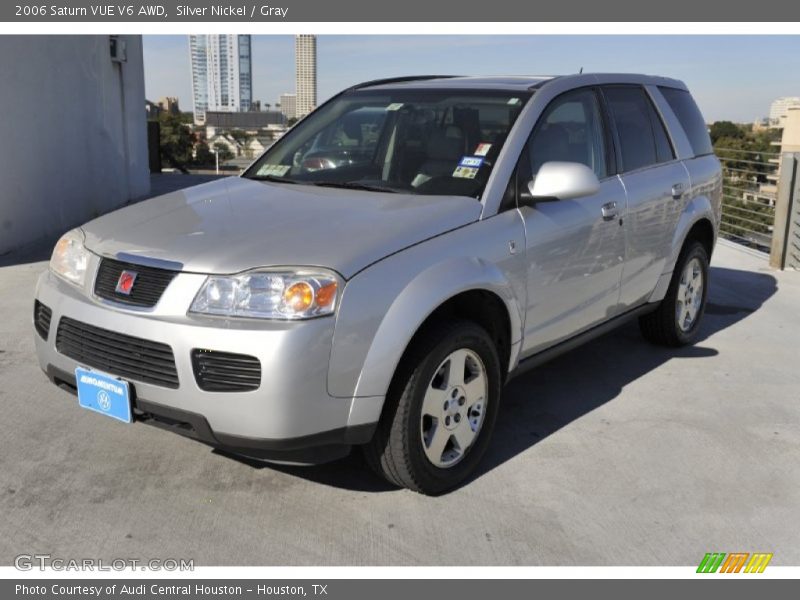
[(272, 178), (355, 185)]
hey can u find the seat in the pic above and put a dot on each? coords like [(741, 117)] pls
[(444, 151)]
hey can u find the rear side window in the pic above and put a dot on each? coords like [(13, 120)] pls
[(690, 118), (663, 147), (642, 138)]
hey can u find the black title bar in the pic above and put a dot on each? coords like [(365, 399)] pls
[(405, 11), (700, 588)]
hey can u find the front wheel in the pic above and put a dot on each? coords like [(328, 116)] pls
[(440, 410), (676, 322)]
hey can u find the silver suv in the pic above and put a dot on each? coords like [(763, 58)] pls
[(379, 273)]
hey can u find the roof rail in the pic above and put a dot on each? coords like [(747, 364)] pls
[(403, 79), (545, 79)]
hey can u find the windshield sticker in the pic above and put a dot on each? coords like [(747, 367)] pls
[(419, 180), (276, 170), (395, 106), (482, 149), (513, 101), (465, 172), (471, 161)]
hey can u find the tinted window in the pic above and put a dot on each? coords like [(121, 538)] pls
[(663, 147), (571, 129), (684, 107), (634, 118)]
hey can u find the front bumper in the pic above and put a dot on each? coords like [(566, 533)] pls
[(289, 412)]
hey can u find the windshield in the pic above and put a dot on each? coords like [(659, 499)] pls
[(441, 142)]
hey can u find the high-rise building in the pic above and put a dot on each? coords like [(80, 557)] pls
[(778, 110), (169, 104), (305, 48), (288, 104), (221, 74)]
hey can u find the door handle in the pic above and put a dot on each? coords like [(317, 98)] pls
[(609, 211), (677, 191)]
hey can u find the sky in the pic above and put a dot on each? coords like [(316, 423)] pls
[(732, 77)]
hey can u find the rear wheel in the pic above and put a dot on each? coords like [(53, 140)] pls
[(676, 322), (440, 410)]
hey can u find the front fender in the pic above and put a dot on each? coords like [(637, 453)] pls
[(383, 306), (429, 290)]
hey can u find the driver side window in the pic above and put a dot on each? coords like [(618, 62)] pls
[(569, 130)]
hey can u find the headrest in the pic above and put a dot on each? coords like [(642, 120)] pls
[(447, 144)]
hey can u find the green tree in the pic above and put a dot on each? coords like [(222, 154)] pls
[(240, 136), (725, 129), (203, 156), (223, 152), (747, 207), (176, 141)]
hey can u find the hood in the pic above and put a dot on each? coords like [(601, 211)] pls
[(234, 224)]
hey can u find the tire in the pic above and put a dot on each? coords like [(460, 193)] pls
[(409, 434), (669, 324)]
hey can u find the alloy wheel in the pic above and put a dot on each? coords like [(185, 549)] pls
[(690, 295), (454, 408)]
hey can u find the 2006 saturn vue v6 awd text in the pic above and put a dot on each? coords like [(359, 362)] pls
[(376, 276)]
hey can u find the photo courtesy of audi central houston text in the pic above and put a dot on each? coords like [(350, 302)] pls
[(376, 288), (382, 299)]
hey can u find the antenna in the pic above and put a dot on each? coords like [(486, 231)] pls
[(581, 71)]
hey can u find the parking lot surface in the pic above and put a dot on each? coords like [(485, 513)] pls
[(618, 453)]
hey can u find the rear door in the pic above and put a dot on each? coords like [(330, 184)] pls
[(702, 164), (657, 187)]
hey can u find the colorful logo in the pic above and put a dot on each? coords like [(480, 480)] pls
[(734, 562), (125, 282)]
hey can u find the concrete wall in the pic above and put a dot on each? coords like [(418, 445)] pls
[(790, 140), (72, 125)]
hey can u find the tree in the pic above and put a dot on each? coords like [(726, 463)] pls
[(240, 136), (176, 141), (747, 209), (203, 155), (223, 152), (725, 129)]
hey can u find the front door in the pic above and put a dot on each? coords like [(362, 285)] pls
[(575, 249)]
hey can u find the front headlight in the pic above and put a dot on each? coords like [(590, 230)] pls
[(70, 259), (300, 294)]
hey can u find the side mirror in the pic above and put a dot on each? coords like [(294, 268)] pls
[(563, 181)]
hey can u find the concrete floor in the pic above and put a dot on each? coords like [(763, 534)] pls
[(618, 453)]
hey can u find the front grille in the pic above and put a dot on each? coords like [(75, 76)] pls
[(41, 319), (226, 372), (150, 282), (121, 355)]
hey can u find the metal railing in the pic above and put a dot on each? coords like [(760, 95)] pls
[(749, 195), (786, 239)]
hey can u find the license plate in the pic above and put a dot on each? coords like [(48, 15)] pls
[(104, 394)]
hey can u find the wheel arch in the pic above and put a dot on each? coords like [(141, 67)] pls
[(701, 231), (696, 223), (466, 288), (480, 306)]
